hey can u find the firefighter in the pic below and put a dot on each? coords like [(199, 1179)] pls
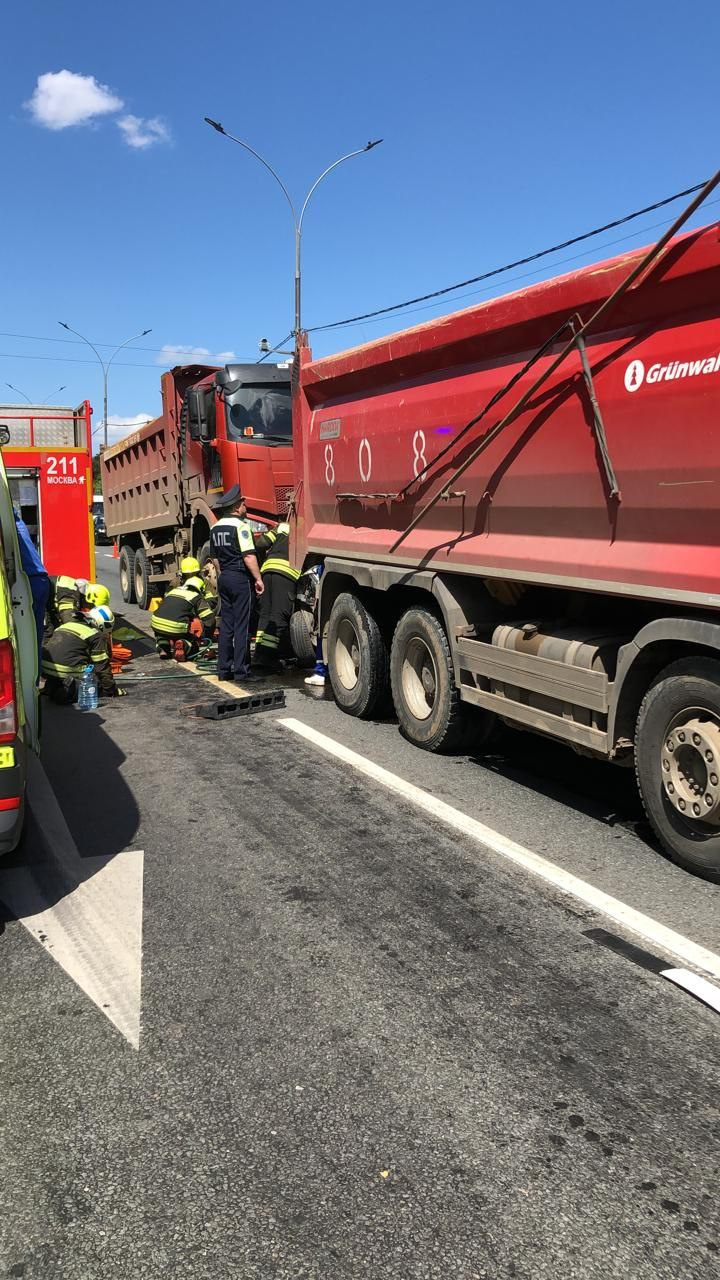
[(235, 559), (272, 639), (192, 576), (72, 647), (70, 596), (182, 620)]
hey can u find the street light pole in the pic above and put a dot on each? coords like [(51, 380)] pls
[(104, 365), (297, 221)]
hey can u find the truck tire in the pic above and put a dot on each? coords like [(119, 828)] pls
[(301, 637), (677, 762), (357, 657), (427, 700), (141, 579), (126, 568)]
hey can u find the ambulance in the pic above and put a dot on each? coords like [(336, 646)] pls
[(19, 722)]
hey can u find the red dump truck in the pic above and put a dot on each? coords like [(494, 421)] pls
[(517, 508), (218, 428)]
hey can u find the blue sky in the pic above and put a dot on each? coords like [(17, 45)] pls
[(506, 127)]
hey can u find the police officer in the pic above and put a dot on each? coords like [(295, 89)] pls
[(236, 565)]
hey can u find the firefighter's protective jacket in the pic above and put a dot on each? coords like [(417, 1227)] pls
[(177, 611), (65, 599), (71, 648), (275, 547)]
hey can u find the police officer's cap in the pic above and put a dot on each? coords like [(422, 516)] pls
[(231, 498)]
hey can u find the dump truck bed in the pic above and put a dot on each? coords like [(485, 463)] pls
[(141, 479), (536, 504)]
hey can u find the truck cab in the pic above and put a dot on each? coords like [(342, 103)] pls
[(218, 428)]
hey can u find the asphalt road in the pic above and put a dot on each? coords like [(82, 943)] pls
[(369, 1045)]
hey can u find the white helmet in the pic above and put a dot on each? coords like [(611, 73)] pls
[(101, 617)]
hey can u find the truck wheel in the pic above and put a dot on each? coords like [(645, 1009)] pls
[(677, 762), (141, 579), (127, 568), (357, 657), (301, 637), (427, 700)]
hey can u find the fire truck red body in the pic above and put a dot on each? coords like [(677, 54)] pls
[(574, 563), (49, 465)]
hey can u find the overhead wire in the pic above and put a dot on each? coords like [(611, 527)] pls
[(405, 306), (509, 266), (530, 275), (76, 342)]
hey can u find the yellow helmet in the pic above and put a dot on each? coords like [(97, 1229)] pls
[(96, 594), (189, 565)]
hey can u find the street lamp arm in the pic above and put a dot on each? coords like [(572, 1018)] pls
[(126, 343), (56, 392), (20, 393), (359, 152), (70, 329), (219, 128)]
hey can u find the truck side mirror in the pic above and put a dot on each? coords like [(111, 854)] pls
[(193, 400), (200, 413)]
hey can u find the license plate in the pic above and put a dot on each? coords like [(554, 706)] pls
[(7, 757)]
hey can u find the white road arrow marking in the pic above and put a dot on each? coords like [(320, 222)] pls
[(85, 912)]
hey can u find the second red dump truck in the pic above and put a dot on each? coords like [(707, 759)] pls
[(218, 428), (518, 515)]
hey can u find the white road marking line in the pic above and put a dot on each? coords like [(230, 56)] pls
[(697, 986), (635, 921), (85, 912)]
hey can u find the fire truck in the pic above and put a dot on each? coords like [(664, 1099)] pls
[(48, 459)]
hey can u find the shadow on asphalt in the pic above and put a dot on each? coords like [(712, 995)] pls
[(83, 765), (596, 788)]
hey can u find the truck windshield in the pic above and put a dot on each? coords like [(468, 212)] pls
[(259, 413)]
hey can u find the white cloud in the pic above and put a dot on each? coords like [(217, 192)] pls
[(169, 356), (141, 133), (64, 98)]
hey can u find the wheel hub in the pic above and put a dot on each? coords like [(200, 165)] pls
[(347, 655), (419, 678), (690, 764)]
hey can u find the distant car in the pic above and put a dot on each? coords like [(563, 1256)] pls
[(98, 515)]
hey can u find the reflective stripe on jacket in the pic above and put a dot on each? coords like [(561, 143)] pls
[(72, 647), (65, 598), (180, 606), (277, 542), (274, 564)]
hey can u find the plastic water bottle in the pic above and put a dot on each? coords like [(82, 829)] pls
[(88, 691)]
